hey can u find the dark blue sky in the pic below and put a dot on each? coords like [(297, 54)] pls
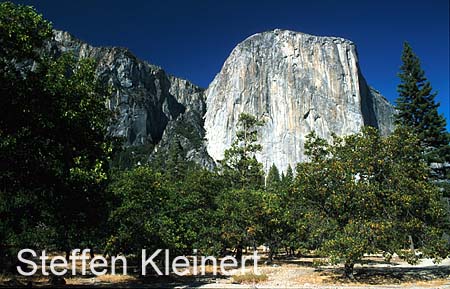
[(192, 39)]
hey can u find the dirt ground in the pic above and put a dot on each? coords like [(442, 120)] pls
[(285, 273)]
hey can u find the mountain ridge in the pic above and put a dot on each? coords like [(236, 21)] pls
[(173, 114), (148, 102)]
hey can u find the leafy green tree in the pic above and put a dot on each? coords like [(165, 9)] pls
[(370, 194), (274, 229), (153, 211), (239, 211), (418, 110), (82, 149), (54, 148), (202, 187), (239, 164), (138, 219)]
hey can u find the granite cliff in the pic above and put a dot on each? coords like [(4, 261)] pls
[(297, 83), (150, 105)]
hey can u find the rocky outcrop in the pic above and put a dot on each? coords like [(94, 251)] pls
[(380, 111), (297, 83), (149, 104)]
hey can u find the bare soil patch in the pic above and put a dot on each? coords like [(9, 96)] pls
[(283, 273)]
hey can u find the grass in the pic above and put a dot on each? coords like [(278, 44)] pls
[(250, 278)]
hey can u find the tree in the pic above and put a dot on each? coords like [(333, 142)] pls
[(418, 110), (240, 212), (288, 177), (152, 211), (273, 177), (371, 194), (138, 219), (276, 228), (54, 146), (175, 164), (244, 174), (202, 187), (240, 164)]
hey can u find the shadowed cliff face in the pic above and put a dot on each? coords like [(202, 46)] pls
[(148, 103), (141, 92), (297, 83)]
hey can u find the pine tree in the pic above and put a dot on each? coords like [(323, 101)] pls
[(175, 163), (289, 177), (273, 177), (240, 163), (418, 110)]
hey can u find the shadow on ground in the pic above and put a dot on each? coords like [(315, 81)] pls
[(171, 281), (389, 275)]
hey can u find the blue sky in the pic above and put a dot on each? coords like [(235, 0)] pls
[(192, 39)]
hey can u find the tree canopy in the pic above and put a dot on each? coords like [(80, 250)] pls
[(371, 194), (54, 146)]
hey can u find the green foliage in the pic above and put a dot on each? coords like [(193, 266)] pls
[(188, 130), (274, 229), (76, 133), (129, 157), (289, 177), (54, 147), (240, 165), (417, 108), (175, 164), (151, 211), (278, 229), (240, 212), (203, 187), (273, 177), (370, 194), (138, 216), (22, 32)]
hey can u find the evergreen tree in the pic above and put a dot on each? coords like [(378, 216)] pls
[(273, 177), (418, 110), (245, 175), (175, 164), (240, 165), (274, 222), (289, 177)]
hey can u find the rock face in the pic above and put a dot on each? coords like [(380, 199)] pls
[(297, 83), (149, 103)]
